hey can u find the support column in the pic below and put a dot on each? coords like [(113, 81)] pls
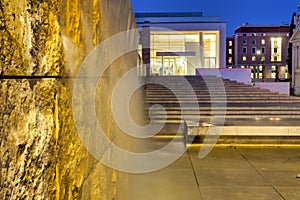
[(201, 57), (268, 71), (282, 71), (296, 70), (294, 57), (146, 48), (257, 71)]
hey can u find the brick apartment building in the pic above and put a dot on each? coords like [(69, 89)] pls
[(263, 48)]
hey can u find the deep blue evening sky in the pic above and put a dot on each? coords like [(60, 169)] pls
[(233, 12)]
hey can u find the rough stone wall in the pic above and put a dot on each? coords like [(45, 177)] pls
[(41, 154), (30, 38), (27, 127)]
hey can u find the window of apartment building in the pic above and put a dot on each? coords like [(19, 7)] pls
[(263, 58), (244, 50), (230, 43), (263, 50), (263, 41), (230, 51), (245, 42), (244, 58), (276, 45), (253, 41), (230, 60), (253, 34), (253, 49), (253, 58), (263, 34), (244, 34)]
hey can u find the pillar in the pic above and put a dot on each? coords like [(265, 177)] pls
[(268, 71), (201, 57), (146, 48)]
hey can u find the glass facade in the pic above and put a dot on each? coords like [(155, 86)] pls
[(210, 50), (178, 54)]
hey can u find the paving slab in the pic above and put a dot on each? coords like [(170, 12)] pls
[(282, 177), (225, 173), (239, 192), (176, 181), (272, 158), (289, 192)]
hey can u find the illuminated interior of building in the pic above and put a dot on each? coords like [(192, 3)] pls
[(181, 53)]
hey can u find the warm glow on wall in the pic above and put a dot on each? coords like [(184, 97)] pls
[(276, 44)]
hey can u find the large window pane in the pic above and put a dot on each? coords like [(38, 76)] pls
[(210, 50)]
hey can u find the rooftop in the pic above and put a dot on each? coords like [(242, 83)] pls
[(169, 14), (174, 17), (247, 28)]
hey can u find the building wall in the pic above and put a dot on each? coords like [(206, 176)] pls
[(194, 27), (260, 38), (230, 52), (240, 43), (43, 44), (296, 57)]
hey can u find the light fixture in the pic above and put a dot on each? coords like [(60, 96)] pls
[(258, 52)]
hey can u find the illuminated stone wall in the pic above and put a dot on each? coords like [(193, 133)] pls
[(41, 155)]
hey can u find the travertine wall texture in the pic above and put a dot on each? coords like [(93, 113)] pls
[(41, 154)]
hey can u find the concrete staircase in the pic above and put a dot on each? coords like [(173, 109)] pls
[(240, 109)]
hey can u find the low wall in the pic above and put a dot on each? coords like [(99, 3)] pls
[(281, 87), (239, 75)]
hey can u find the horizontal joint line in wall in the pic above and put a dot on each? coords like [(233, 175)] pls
[(29, 77)]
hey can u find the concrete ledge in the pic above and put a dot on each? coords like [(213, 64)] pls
[(239, 75), (281, 87), (193, 129)]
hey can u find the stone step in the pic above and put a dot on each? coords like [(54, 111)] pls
[(208, 119), (229, 112), (235, 104), (162, 95), (221, 89), (245, 109), (235, 107), (164, 87), (205, 93), (196, 90), (221, 114), (160, 84), (218, 108), (203, 83), (233, 130), (221, 121), (209, 98), (224, 101)]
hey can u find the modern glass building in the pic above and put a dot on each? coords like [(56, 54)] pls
[(178, 43)]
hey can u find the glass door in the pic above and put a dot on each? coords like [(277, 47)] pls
[(174, 66)]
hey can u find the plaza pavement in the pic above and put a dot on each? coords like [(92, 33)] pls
[(228, 172)]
